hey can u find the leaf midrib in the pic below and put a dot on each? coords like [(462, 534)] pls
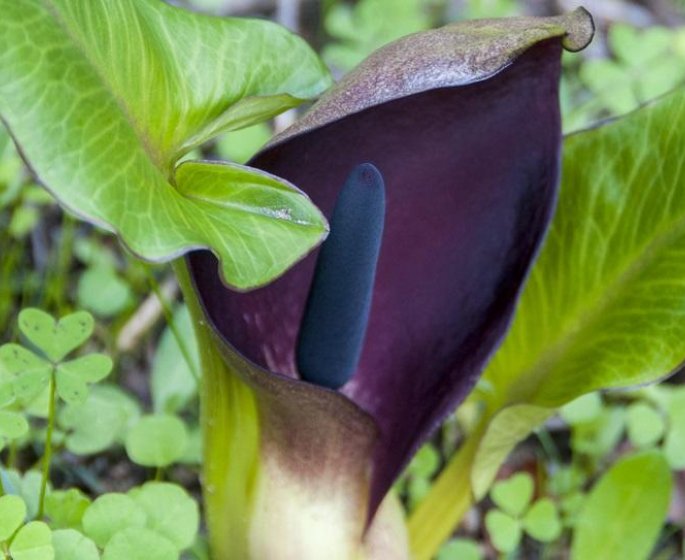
[(153, 154)]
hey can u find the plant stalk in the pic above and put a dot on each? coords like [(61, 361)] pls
[(447, 502), (230, 429), (47, 454)]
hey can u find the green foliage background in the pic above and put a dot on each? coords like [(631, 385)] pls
[(577, 465)]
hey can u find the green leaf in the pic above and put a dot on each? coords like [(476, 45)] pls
[(193, 452), (72, 545), (514, 494), (508, 427), (583, 409), (369, 25), (33, 542), (157, 441), (623, 515), (417, 488), (102, 291), (139, 544), (171, 512), (460, 549), (645, 425), (74, 376), (425, 463), (24, 219), (13, 425), (504, 530), (612, 256), (241, 145), (173, 384), (12, 515), (542, 521), (674, 444), (603, 304), (601, 436), (100, 422), (106, 143), (111, 514), (56, 338), (28, 373), (28, 487), (66, 508)]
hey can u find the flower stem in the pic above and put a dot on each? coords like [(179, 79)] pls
[(47, 454), (230, 430), (450, 497)]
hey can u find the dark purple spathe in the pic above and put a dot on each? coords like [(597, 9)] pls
[(471, 175)]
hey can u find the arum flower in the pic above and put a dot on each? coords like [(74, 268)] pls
[(442, 152)]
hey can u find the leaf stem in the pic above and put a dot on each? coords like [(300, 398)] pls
[(47, 454), (450, 497)]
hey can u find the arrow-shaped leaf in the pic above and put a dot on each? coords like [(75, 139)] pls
[(105, 97)]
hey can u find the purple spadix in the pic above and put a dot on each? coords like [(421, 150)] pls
[(337, 311)]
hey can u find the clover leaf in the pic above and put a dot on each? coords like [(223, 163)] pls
[(12, 515), (33, 542), (13, 425), (66, 508), (513, 495), (99, 422), (170, 511), (72, 545), (29, 374), (516, 515), (139, 544), (157, 440), (110, 514), (55, 339)]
